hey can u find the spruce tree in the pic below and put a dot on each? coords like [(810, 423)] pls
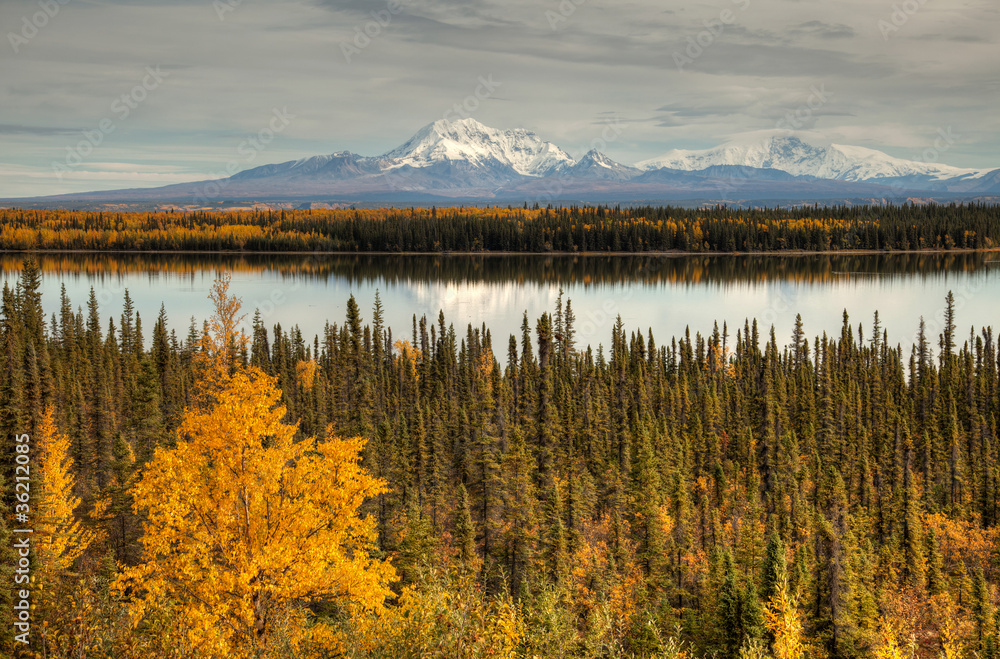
[(465, 533), (556, 554), (775, 567)]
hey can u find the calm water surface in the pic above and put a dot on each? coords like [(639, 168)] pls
[(665, 294)]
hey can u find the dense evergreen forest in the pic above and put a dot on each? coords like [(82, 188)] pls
[(535, 230), (720, 494)]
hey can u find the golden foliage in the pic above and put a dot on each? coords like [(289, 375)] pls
[(309, 230), (409, 357), (783, 620), (225, 320), (60, 540), (407, 352), (624, 597), (245, 524), (951, 643), (306, 371), (952, 627), (888, 646), (963, 541), (221, 344), (437, 618)]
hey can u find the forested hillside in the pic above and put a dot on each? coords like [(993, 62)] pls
[(535, 230), (727, 493)]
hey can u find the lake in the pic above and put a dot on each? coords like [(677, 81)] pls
[(665, 293)]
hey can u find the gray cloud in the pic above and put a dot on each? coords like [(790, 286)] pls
[(18, 129), (823, 30), (565, 69)]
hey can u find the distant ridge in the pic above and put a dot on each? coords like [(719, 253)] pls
[(464, 160)]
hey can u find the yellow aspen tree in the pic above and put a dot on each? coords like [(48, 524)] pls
[(246, 526), (221, 344), (305, 371), (59, 537), (887, 645), (784, 621), (951, 642)]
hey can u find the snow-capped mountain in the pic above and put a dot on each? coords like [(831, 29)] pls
[(481, 146), (342, 164), (464, 160), (790, 153), (596, 165)]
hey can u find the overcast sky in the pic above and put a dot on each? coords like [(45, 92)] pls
[(199, 78)]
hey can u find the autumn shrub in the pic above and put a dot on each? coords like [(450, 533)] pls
[(443, 615)]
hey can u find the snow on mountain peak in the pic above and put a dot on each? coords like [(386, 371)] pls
[(599, 158), (469, 140), (805, 157), (596, 165), (464, 154)]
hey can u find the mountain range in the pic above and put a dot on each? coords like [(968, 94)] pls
[(463, 161)]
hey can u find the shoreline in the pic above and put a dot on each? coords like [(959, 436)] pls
[(658, 254)]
